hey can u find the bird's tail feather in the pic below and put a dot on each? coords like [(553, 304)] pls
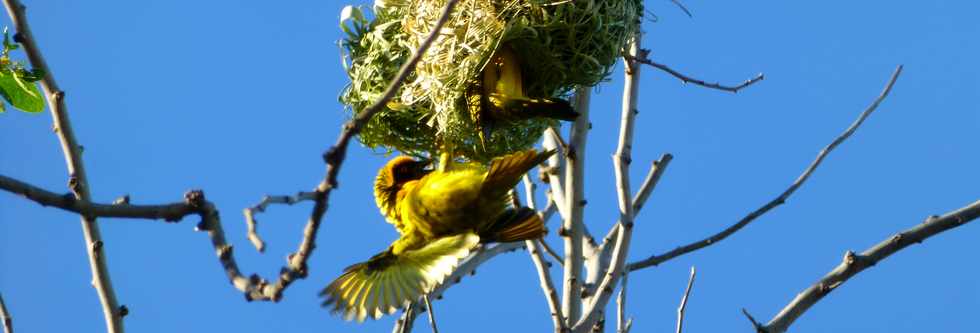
[(514, 225), (518, 108)]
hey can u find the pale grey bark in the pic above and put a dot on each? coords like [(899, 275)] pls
[(853, 263), (78, 179)]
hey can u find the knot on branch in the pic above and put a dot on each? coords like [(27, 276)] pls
[(195, 199), (122, 311), (850, 257), (19, 37), (333, 155), (74, 184), (570, 153), (224, 252), (123, 200)]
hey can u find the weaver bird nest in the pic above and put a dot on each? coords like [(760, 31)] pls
[(561, 44)]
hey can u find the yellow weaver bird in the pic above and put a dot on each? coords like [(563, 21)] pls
[(441, 215), (502, 97)]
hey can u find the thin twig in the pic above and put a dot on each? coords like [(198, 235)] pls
[(679, 4), (855, 263), (552, 171), (683, 306), (779, 200), (544, 273), (547, 285), (432, 313), (751, 319), (78, 180), (252, 223), (688, 79), (551, 252), (8, 321), (621, 306), (529, 189), (404, 324)]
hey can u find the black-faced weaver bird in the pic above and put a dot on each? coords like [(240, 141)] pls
[(498, 96), (441, 215)]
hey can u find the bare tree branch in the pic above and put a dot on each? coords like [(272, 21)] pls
[(621, 161), (432, 314), (779, 200), (8, 321), (551, 252), (687, 79), (598, 261), (544, 273), (683, 306), (78, 180), (639, 199), (547, 286), (252, 223), (254, 287), (855, 263), (169, 212), (575, 204)]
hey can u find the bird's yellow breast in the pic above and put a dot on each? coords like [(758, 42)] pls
[(443, 202)]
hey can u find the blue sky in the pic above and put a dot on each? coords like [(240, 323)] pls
[(240, 99)]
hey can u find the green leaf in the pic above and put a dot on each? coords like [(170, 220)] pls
[(22, 95), (33, 75)]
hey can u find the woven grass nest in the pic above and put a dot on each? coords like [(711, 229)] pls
[(562, 44)]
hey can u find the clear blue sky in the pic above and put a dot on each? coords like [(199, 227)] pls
[(240, 99)]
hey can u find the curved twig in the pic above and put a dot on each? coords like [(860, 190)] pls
[(779, 200), (252, 223), (687, 79)]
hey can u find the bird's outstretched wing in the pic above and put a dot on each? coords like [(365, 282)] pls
[(388, 282), (505, 172)]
